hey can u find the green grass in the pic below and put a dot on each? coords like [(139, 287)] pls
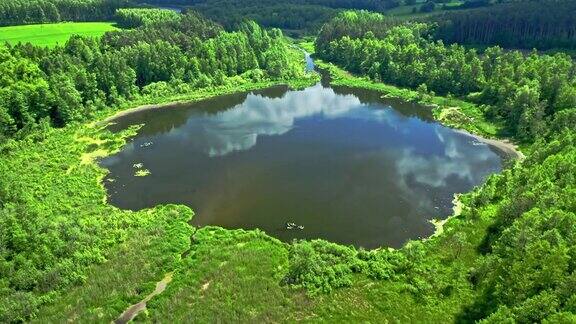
[(53, 34)]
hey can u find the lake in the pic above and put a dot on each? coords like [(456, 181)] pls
[(340, 163)]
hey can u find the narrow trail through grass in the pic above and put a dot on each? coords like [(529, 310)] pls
[(133, 311)]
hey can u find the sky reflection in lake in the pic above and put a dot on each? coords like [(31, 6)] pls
[(341, 162)]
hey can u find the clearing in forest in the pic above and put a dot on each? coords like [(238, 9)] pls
[(52, 34)]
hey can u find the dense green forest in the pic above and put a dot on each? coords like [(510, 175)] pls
[(69, 84), (529, 93), (15, 12), (134, 17), (301, 15), (532, 24), (508, 254), (525, 269)]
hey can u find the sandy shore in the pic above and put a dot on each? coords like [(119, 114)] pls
[(142, 108), (508, 149)]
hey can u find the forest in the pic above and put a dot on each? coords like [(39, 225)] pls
[(530, 93), (69, 84), (533, 24), (301, 15), (508, 254), (14, 12)]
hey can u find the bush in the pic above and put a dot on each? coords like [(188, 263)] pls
[(320, 266)]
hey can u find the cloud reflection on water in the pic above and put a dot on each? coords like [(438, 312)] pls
[(460, 159), (349, 167), (238, 128)]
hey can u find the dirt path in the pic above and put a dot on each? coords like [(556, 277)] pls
[(135, 309)]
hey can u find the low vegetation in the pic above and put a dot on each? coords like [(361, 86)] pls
[(51, 35)]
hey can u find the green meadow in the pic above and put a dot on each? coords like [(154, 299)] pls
[(52, 34)]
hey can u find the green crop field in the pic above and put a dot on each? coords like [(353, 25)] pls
[(52, 34)]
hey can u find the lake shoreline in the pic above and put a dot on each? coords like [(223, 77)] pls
[(200, 94), (505, 146)]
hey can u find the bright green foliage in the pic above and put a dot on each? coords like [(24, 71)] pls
[(131, 18), (18, 12), (528, 264), (72, 83), (524, 91), (48, 238), (22, 86), (294, 16), (355, 24), (52, 34), (320, 266)]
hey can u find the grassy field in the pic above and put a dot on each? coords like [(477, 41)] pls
[(52, 34)]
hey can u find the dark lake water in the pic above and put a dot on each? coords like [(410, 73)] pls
[(346, 165)]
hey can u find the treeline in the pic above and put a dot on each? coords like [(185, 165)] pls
[(17, 12), (529, 93), (533, 24), (66, 84), (305, 18), (354, 24), (373, 5), (301, 15), (135, 17)]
